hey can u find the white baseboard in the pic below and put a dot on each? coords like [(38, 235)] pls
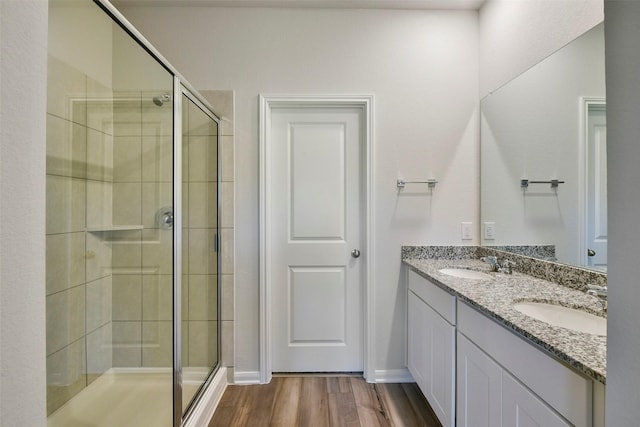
[(246, 377), (381, 376), (202, 413), (393, 376)]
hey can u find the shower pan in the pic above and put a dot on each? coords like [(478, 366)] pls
[(131, 228)]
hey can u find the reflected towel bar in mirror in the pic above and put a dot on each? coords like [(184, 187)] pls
[(524, 183), (430, 182)]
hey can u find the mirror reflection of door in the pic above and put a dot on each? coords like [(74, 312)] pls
[(596, 188)]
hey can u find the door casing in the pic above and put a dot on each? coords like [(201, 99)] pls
[(267, 104)]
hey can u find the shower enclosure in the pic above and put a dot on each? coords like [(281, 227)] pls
[(131, 228)]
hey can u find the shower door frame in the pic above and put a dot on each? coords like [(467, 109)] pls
[(180, 89), (180, 86)]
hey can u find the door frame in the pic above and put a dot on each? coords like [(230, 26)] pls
[(586, 103), (267, 104)]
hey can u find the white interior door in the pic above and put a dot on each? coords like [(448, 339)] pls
[(316, 210), (596, 186)]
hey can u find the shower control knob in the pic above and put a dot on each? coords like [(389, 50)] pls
[(355, 253), (164, 218)]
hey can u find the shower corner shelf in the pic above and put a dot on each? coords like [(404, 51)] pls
[(112, 228)]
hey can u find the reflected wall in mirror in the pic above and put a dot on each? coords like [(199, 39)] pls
[(549, 124)]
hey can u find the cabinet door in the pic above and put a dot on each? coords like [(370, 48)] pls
[(431, 352), (479, 387), (418, 318), (521, 408)]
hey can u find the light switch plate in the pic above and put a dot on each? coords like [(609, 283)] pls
[(489, 230), (467, 233)]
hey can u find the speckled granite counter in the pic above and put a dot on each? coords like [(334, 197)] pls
[(494, 297)]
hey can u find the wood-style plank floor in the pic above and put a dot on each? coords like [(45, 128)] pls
[(321, 401)]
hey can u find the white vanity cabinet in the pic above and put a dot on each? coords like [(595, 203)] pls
[(431, 345), (475, 372), (505, 381), (488, 396)]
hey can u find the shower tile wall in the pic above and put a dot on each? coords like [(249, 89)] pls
[(200, 261), (223, 104), (78, 276), (142, 259)]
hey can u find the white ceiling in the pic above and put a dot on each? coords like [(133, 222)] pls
[(340, 4)]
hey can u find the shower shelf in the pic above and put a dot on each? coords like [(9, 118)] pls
[(111, 228)]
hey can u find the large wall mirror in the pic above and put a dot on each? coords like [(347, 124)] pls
[(543, 158)]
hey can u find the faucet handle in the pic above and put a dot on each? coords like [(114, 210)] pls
[(596, 290), (506, 266)]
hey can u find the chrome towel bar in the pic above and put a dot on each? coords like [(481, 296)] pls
[(524, 183), (431, 183)]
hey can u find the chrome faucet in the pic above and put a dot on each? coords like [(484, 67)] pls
[(492, 261), (600, 292), (497, 266)]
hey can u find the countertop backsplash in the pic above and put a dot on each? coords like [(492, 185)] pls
[(562, 274)]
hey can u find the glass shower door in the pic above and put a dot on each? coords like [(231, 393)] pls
[(200, 349), (109, 252), (117, 306)]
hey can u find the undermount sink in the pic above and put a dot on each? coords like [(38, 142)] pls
[(565, 317), (464, 273)]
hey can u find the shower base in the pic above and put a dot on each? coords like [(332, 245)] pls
[(123, 397)]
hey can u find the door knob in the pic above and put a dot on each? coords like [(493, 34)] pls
[(355, 253), (591, 252)]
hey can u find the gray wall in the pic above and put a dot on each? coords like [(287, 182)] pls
[(515, 35), (622, 33), (23, 96), (422, 68)]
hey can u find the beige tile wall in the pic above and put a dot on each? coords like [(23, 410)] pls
[(78, 274), (142, 259), (200, 220)]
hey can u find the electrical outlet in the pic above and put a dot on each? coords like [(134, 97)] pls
[(467, 233), (489, 230)]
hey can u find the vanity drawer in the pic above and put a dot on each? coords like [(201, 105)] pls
[(438, 299), (564, 389)]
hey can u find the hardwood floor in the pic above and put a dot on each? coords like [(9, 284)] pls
[(322, 401)]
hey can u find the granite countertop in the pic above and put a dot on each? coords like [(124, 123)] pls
[(494, 297)]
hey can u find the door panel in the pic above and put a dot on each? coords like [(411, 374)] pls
[(318, 310), (479, 387), (316, 209), (418, 340), (430, 357), (597, 186), (317, 181)]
